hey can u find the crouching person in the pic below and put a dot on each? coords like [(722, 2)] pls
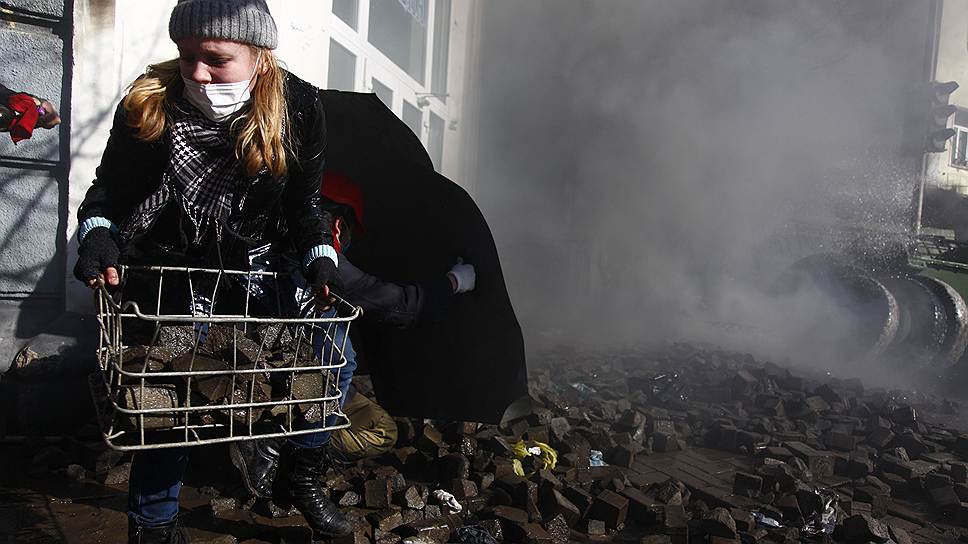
[(372, 432)]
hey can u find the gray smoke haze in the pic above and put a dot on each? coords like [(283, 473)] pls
[(649, 166)]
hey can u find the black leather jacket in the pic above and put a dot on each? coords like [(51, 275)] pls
[(286, 211)]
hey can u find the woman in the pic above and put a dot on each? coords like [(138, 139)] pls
[(211, 155)]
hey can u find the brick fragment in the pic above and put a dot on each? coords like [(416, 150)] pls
[(611, 508), (719, 523), (864, 528), (377, 493), (558, 529), (385, 520), (747, 485), (554, 503)]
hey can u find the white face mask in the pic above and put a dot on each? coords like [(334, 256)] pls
[(219, 101)]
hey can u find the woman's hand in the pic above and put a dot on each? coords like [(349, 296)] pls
[(319, 274), (97, 261)]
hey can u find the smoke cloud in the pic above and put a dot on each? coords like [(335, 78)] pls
[(649, 167)]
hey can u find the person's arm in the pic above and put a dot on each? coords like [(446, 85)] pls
[(387, 303), (129, 171), (309, 224)]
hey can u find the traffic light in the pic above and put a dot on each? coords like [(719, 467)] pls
[(926, 119), (938, 133)]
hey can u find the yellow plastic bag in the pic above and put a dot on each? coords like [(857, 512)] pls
[(545, 456)]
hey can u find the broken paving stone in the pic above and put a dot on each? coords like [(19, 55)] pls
[(377, 493), (880, 437), (899, 535), (385, 520), (719, 523), (434, 530), (748, 485), (742, 519), (820, 463), (411, 497), (221, 505), (510, 513), (594, 527), (118, 475), (959, 472), (554, 503), (611, 508), (349, 498), (944, 498), (462, 489), (558, 529), (352, 538), (410, 516), (862, 528)]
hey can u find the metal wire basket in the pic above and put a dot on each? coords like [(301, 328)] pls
[(192, 356)]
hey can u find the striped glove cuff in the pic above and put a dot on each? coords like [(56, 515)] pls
[(92, 223), (320, 251)]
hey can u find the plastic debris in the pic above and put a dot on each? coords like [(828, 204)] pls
[(766, 521), (583, 389), (448, 500), (668, 387), (473, 534), (532, 456), (825, 520), (596, 459)]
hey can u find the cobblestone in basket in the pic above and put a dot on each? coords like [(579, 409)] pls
[(170, 379)]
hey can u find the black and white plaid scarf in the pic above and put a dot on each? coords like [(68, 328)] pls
[(203, 175)]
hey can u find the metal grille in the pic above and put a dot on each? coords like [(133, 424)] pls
[(244, 355)]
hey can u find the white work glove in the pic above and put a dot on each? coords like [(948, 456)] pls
[(464, 276)]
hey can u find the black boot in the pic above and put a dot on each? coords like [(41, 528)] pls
[(257, 460), (304, 490), (173, 533)]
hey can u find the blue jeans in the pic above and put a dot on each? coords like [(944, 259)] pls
[(154, 484), (323, 347)]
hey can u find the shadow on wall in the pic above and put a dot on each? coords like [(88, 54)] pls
[(36, 251)]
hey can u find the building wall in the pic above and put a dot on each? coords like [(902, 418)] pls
[(116, 39), (952, 65), (35, 46)]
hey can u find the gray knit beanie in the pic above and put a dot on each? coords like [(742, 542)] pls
[(244, 21)]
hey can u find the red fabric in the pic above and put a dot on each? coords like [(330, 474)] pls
[(22, 127), (340, 189)]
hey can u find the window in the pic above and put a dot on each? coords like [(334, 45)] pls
[(435, 144), (348, 11), (438, 77), (398, 28), (383, 92), (342, 68), (959, 151), (413, 117)]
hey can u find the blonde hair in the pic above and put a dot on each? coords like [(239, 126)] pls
[(260, 136)]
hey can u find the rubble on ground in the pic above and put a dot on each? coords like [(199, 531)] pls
[(681, 445)]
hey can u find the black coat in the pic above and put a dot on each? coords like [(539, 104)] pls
[(467, 363), (286, 210)]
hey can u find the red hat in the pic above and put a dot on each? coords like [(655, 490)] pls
[(341, 190)]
